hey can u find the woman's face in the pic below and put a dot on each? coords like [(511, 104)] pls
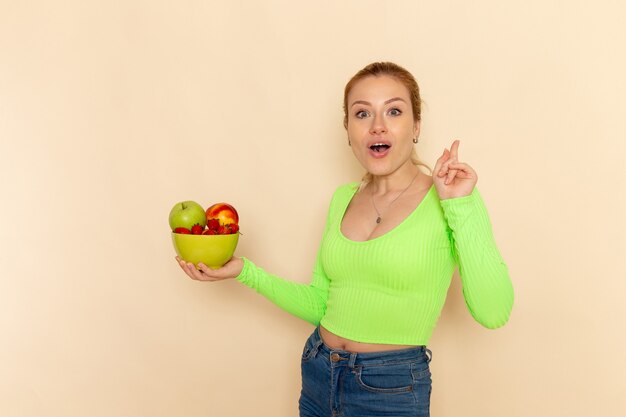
[(380, 124)]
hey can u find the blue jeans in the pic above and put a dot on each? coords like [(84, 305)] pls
[(339, 383)]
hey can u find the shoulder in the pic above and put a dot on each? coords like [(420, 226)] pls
[(342, 195), (344, 192), (348, 188)]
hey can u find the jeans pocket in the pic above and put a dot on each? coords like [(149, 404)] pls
[(422, 384), (420, 371), (307, 353), (310, 349), (385, 379)]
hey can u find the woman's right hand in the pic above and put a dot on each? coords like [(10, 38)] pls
[(231, 269)]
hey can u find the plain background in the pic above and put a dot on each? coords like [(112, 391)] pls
[(112, 111)]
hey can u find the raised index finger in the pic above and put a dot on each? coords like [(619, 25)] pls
[(454, 149)]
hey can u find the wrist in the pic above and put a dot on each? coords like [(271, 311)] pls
[(238, 265)]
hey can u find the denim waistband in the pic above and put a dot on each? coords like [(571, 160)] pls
[(338, 356)]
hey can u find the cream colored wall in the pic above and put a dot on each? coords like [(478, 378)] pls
[(110, 112)]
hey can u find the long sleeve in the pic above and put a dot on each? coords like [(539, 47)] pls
[(307, 302), (487, 288)]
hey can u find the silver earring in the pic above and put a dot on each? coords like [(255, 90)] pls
[(415, 139)]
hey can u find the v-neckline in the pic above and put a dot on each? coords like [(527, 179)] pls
[(399, 225)]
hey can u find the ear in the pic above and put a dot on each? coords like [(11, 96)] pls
[(416, 128)]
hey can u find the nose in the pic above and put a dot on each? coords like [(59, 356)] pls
[(378, 125)]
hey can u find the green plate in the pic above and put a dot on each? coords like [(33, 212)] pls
[(212, 250)]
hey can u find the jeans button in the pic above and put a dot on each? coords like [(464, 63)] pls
[(335, 357)]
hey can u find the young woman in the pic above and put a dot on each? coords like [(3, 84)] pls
[(390, 246)]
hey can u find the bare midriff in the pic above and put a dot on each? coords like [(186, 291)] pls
[(340, 343)]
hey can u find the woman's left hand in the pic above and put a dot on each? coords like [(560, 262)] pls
[(453, 178)]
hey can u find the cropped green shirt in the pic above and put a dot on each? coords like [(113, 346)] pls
[(391, 289)]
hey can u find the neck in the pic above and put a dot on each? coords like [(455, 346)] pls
[(396, 181)]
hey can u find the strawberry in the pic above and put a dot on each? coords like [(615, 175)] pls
[(221, 230), (209, 232), (182, 230), (213, 224), (232, 228), (197, 229)]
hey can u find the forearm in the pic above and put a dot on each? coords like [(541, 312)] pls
[(307, 302)]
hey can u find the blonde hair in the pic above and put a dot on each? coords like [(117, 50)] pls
[(377, 69)]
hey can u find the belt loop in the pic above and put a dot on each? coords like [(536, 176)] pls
[(316, 345), (316, 348), (429, 354), (352, 360)]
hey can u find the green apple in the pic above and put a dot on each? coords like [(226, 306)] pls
[(187, 214)]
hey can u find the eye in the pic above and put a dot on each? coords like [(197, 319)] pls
[(395, 112), (361, 114)]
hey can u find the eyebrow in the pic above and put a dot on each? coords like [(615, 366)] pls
[(367, 103)]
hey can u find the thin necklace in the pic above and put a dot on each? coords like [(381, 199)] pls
[(379, 218)]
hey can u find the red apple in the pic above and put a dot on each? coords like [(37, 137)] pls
[(223, 212)]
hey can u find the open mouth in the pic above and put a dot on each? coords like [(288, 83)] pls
[(379, 147)]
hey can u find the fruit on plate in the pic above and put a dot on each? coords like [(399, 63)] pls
[(189, 217), (213, 224), (223, 212), (187, 214), (209, 237), (197, 229)]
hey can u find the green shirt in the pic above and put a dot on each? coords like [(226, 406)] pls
[(391, 289)]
